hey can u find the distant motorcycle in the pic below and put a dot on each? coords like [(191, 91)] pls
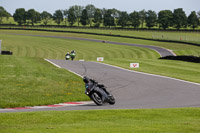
[(67, 56), (97, 92), (72, 54)]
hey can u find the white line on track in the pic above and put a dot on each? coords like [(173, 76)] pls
[(132, 71), (60, 67), (52, 63), (150, 74)]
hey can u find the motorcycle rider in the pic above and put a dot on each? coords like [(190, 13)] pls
[(67, 56), (89, 83), (73, 54)]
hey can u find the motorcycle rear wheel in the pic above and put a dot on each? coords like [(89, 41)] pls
[(97, 98)]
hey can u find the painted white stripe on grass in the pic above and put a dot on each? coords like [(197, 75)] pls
[(150, 74), (61, 67)]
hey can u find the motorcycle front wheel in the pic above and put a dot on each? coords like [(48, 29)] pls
[(97, 98)]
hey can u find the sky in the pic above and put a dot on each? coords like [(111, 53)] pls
[(123, 5)]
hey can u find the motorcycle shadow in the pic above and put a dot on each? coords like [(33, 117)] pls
[(94, 105)]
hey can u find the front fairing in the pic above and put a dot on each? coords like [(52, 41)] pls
[(88, 89)]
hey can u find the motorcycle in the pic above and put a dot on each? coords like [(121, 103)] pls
[(72, 55), (97, 92), (67, 56)]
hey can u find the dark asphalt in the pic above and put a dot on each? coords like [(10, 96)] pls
[(132, 90), (137, 90)]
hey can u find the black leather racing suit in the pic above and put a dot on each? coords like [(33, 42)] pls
[(102, 90)]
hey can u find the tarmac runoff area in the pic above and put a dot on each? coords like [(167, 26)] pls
[(131, 89)]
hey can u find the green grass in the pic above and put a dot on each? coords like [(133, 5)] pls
[(26, 81), (176, 69), (56, 48), (179, 49), (183, 120), (42, 83), (162, 35), (193, 37)]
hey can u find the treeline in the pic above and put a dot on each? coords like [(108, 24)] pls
[(95, 17)]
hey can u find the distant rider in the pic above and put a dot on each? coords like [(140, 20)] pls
[(73, 54), (67, 56)]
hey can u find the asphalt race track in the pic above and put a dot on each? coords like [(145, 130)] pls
[(132, 90), (136, 90)]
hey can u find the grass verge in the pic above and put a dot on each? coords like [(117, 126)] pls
[(26, 81), (181, 36), (183, 120), (175, 69), (178, 48)]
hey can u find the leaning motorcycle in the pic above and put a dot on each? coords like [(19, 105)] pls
[(98, 93)]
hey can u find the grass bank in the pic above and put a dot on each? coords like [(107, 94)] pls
[(183, 120), (181, 36), (162, 35), (178, 48), (26, 81)]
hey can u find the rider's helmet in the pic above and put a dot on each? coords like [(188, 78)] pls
[(86, 79)]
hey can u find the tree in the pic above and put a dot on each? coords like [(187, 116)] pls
[(179, 18), (142, 15), (151, 18), (90, 10), (97, 17), (103, 11), (198, 16), (108, 18), (65, 15), (20, 16), (78, 12), (123, 19), (84, 18), (71, 16), (116, 14), (58, 16), (3, 13), (135, 19), (165, 18), (193, 21), (33, 16), (46, 17)]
